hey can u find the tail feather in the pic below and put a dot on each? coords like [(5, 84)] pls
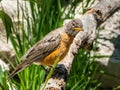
[(19, 68)]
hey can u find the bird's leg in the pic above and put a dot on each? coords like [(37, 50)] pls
[(46, 69)]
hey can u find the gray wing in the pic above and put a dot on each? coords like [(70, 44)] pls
[(44, 47)]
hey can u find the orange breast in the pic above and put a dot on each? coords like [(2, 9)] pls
[(61, 51)]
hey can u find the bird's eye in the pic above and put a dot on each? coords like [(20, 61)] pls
[(73, 25)]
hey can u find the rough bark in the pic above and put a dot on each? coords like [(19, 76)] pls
[(95, 16)]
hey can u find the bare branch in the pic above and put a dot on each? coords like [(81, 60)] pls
[(91, 20), (106, 8)]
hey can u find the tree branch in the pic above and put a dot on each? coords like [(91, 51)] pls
[(91, 20), (106, 8)]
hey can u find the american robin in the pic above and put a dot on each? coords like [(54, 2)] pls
[(55, 44)]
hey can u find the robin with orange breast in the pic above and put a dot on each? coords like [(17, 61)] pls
[(55, 44)]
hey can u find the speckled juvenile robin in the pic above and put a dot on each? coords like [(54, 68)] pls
[(54, 44)]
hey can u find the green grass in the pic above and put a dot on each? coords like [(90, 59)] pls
[(82, 73), (46, 16)]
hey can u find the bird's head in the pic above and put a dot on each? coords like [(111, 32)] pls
[(73, 27)]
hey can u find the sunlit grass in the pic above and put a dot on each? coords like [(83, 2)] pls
[(83, 72)]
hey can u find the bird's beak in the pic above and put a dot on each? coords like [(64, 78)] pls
[(78, 29)]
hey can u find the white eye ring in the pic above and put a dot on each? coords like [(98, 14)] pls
[(73, 26)]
